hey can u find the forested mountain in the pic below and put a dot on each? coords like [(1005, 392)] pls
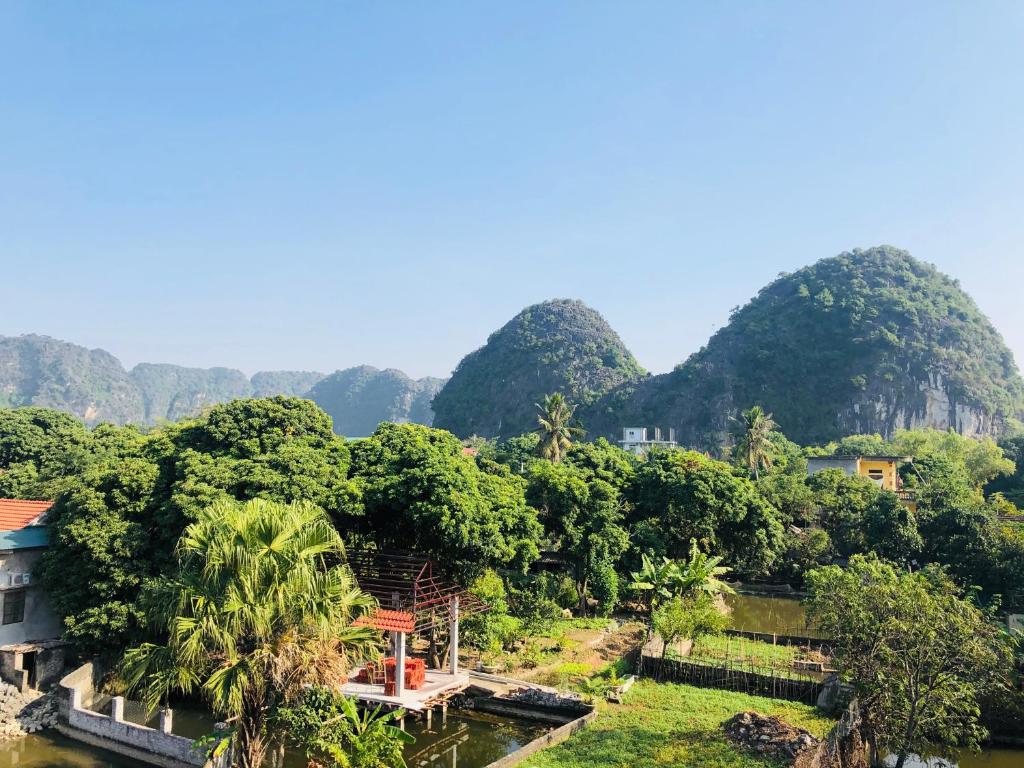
[(290, 383), (358, 399), (865, 342), (90, 383), (868, 341), (555, 346), (93, 385), (172, 392)]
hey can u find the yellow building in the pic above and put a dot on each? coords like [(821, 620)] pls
[(882, 470)]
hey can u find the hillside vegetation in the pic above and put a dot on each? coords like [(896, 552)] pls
[(358, 399), (555, 346), (868, 341), (94, 386)]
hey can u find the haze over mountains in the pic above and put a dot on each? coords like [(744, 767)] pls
[(93, 385), (867, 341)]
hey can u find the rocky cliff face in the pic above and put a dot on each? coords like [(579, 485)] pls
[(93, 385), (929, 405), (358, 399), (864, 342)]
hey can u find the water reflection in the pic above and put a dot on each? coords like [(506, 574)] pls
[(462, 739), (762, 613), (49, 749)]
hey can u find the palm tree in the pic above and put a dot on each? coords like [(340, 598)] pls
[(755, 442), (555, 430), (261, 606)]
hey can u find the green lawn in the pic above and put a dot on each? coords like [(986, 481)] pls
[(662, 724)]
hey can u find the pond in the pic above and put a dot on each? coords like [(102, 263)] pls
[(769, 613), (48, 749), (463, 739)]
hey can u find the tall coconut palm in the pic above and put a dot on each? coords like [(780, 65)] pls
[(755, 441), (555, 427), (260, 607)]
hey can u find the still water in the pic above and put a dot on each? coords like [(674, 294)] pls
[(761, 613), (463, 739)]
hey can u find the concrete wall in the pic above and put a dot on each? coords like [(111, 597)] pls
[(550, 739), (32, 665), (887, 468), (40, 621), (113, 733)]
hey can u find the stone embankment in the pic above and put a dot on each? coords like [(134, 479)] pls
[(24, 713)]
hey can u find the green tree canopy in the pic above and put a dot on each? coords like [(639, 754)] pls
[(584, 518), (421, 492), (682, 495), (918, 654)]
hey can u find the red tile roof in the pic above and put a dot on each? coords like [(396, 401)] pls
[(15, 514), (389, 621)]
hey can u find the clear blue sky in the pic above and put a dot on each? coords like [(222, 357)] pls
[(318, 185)]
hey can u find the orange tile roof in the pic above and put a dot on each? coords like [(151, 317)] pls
[(15, 514), (389, 621)]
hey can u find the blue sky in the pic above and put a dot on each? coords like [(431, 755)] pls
[(319, 185)]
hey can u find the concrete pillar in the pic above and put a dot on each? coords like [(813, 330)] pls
[(399, 663), (117, 709), (453, 636), (166, 720)]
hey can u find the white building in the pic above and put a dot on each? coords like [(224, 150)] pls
[(637, 440)]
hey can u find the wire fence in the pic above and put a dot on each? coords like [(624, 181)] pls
[(732, 677)]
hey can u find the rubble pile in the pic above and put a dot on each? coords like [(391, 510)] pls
[(768, 736), (22, 713), (540, 698)]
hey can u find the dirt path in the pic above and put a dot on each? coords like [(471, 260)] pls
[(596, 650)]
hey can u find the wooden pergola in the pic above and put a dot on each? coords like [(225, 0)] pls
[(413, 599)]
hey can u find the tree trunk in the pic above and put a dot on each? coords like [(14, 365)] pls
[(252, 749)]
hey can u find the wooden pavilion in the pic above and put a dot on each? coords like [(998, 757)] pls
[(413, 600)]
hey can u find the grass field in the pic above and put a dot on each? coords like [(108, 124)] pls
[(678, 726)]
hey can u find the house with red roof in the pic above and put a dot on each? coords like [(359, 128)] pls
[(28, 626)]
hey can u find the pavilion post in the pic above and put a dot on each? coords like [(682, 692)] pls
[(399, 663), (453, 636)]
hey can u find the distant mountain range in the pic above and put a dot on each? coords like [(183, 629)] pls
[(93, 385), (867, 341)]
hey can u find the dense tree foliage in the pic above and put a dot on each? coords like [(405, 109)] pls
[(1012, 484), (120, 512), (421, 492), (556, 346), (259, 607), (918, 654), (584, 517), (682, 495)]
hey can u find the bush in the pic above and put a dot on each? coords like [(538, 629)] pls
[(560, 589), (536, 612), (604, 586)]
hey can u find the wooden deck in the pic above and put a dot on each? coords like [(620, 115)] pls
[(438, 686)]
